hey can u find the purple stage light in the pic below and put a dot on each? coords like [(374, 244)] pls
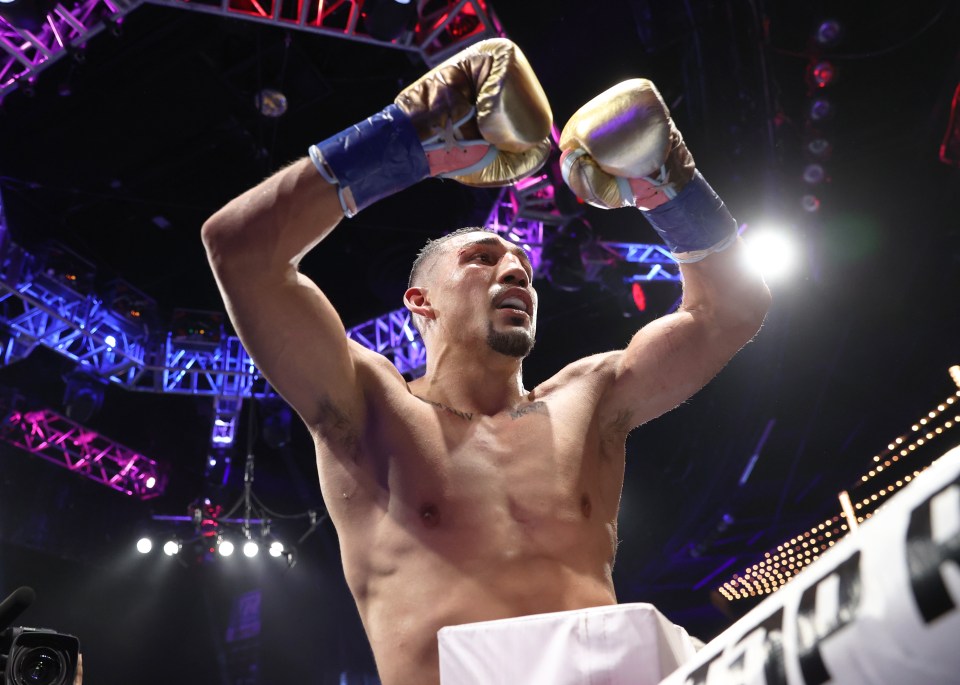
[(529, 181), (829, 32), (62, 441), (814, 174), (821, 109)]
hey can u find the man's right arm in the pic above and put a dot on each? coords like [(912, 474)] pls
[(254, 245), (480, 117)]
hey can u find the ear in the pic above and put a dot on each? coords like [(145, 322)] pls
[(417, 300)]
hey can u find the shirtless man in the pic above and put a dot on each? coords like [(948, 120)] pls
[(464, 496)]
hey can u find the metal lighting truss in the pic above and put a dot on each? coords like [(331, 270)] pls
[(443, 28), (520, 213), (61, 441), (523, 213), (24, 54), (652, 262), (38, 310), (393, 335)]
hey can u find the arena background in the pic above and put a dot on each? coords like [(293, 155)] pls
[(120, 153)]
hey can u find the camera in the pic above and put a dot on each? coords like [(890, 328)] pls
[(36, 656)]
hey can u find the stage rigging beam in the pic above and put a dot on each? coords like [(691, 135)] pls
[(81, 450), (40, 310), (443, 28), (25, 53)]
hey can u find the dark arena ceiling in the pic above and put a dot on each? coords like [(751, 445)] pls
[(120, 152)]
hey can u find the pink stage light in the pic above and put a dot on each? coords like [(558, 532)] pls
[(57, 439)]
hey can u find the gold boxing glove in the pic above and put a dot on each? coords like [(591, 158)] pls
[(622, 149), (481, 117)]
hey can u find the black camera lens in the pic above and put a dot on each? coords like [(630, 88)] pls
[(39, 666)]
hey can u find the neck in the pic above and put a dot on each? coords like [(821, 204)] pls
[(467, 380)]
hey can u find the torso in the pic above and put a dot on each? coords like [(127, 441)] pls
[(447, 517)]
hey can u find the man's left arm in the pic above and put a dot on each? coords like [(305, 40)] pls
[(671, 358), (622, 149)]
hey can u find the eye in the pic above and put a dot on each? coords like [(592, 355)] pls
[(483, 257)]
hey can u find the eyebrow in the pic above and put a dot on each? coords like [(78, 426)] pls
[(520, 253)]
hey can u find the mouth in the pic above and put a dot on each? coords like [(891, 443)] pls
[(514, 301)]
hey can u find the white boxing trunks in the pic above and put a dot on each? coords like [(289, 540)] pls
[(624, 644)]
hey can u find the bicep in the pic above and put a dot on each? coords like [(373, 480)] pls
[(670, 359), (666, 362)]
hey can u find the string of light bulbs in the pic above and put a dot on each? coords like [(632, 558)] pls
[(783, 563)]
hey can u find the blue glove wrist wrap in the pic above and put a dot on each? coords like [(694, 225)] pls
[(695, 221), (375, 158)]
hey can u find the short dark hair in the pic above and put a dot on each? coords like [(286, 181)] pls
[(426, 254), (433, 246)]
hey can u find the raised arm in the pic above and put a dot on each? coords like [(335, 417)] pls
[(621, 149), (673, 357), (254, 245), (481, 118)]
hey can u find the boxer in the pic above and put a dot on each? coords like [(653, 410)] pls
[(464, 496)]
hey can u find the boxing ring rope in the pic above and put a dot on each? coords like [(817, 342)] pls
[(877, 608), (898, 462)]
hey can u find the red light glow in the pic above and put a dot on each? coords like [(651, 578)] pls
[(824, 73), (639, 297)]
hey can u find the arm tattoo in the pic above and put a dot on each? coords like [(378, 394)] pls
[(621, 424), (336, 426), (465, 415), (538, 407)]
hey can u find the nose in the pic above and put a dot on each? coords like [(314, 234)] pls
[(513, 272)]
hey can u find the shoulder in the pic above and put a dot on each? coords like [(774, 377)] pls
[(374, 370), (597, 371)]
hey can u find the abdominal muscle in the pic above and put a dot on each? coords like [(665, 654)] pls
[(409, 583), (446, 518)]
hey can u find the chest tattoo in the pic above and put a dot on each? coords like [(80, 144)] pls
[(465, 415), (537, 407)]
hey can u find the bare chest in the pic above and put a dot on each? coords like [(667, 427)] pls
[(540, 465)]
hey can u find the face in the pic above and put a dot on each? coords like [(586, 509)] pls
[(482, 289)]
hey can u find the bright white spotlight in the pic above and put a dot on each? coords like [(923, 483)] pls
[(276, 548), (151, 481), (144, 545), (225, 548), (771, 252), (111, 341), (171, 547), (250, 549)]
